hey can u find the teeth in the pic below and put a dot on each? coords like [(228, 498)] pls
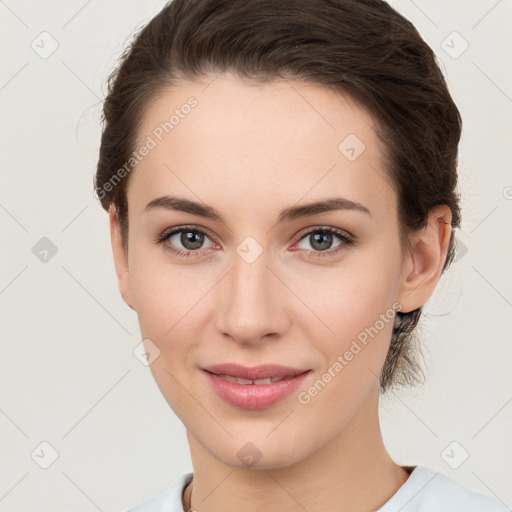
[(240, 380), (268, 380), (258, 382)]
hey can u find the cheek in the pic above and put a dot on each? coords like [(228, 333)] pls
[(155, 300), (353, 296), (162, 293), (351, 312), (168, 301), (359, 314)]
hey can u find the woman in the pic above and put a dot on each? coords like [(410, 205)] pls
[(281, 181)]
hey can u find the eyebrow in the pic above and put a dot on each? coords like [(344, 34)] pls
[(286, 215)]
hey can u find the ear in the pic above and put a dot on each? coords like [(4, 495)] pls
[(424, 261), (120, 257)]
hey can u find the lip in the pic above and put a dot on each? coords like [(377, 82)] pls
[(255, 396), (254, 372)]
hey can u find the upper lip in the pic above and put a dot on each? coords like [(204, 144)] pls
[(254, 372)]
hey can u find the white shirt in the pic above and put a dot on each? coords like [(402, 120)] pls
[(424, 491)]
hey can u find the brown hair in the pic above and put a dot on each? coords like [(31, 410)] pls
[(363, 48)]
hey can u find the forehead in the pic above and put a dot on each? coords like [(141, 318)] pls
[(271, 143)]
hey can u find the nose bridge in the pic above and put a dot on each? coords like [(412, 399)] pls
[(251, 306)]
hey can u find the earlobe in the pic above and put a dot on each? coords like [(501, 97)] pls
[(425, 261), (120, 257)]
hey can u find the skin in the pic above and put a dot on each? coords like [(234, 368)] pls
[(249, 152)]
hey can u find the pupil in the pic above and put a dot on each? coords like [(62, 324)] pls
[(191, 239), (322, 240)]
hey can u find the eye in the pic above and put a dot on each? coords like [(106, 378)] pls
[(191, 239), (321, 240)]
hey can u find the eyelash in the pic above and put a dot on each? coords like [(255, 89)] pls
[(346, 240)]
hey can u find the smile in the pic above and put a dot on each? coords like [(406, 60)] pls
[(255, 394), (258, 382)]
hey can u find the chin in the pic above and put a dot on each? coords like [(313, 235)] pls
[(253, 452)]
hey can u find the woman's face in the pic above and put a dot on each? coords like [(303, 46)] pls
[(262, 286)]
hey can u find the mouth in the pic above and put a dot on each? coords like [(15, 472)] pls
[(257, 387), (257, 382), (258, 375)]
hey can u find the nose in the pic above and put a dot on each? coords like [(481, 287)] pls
[(253, 303)]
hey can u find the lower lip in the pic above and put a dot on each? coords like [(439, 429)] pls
[(254, 396)]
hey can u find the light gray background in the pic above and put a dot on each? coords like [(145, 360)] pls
[(68, 374)]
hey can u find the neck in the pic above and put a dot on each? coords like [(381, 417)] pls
[(351, 472)]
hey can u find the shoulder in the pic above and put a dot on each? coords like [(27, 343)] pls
[(169, 500), (424, 491), (430, 491)]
